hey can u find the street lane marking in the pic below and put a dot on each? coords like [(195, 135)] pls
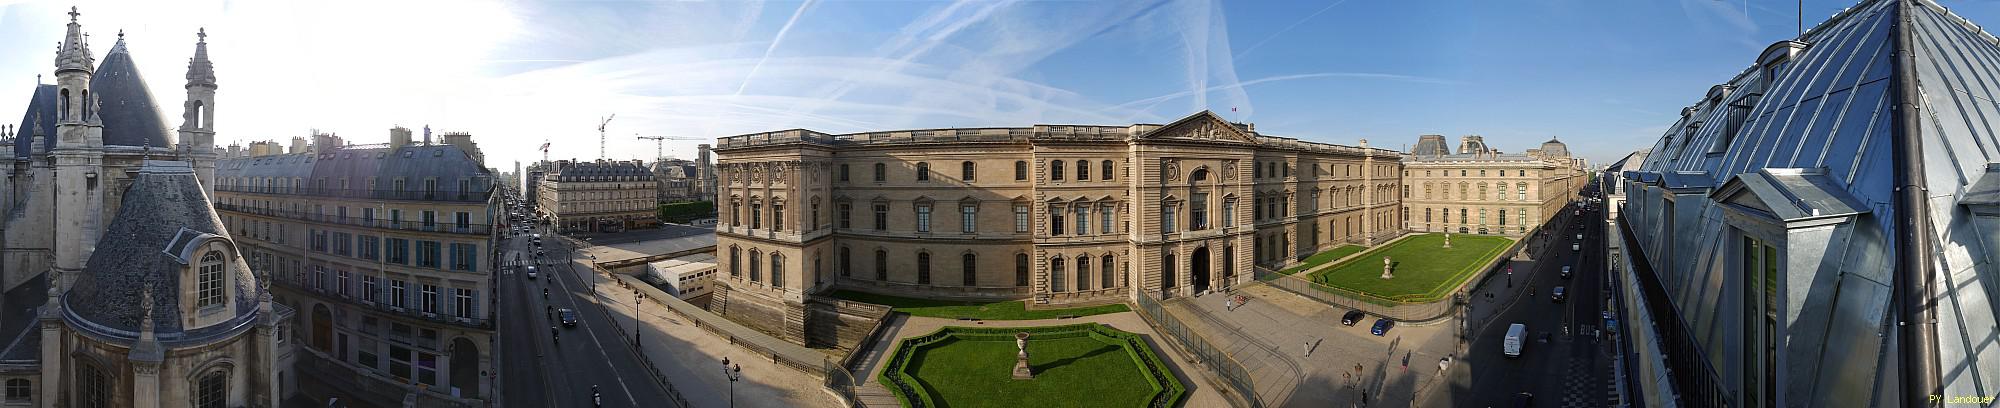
[(593, 334)]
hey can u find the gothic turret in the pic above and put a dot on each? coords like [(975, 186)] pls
[(74, 65), (197, 133)]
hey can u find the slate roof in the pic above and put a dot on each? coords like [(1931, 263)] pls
[(414, 163), (164, 198), (128, 112), (593, 171), (18, 336), (1827, 116)]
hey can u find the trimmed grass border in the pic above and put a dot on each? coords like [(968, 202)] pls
[(1420, 261), (1330, 255), (900, 372), (982, 310)]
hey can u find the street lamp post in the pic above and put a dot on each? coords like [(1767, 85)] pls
[(733, 373), (636, 299)]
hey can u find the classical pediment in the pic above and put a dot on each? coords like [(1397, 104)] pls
[(1204, 125)]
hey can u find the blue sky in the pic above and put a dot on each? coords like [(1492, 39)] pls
[(1604, 76)]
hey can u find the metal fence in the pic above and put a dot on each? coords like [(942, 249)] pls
[(1229, 369)]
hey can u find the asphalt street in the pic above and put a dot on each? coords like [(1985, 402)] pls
[(1563, 364), (541, 369)]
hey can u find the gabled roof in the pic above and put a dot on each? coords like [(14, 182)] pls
[(1204, 125)]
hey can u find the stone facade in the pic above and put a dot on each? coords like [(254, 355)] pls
[(1050, 214), (1483, 191), (387, 251), (599, 196)]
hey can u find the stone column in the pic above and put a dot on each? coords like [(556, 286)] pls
[(1367, 193)]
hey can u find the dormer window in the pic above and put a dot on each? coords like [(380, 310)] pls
[(1776, 59), (209, 289)]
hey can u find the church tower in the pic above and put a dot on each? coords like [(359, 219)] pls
[(78, 155), (197, 131)]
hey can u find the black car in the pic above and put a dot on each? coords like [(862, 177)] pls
[(1382, 326), (1352, 317), (568, 317), (1524, 400), (1558, 295)]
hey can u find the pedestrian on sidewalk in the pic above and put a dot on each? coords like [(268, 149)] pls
[(1229, 304), (1309, 349)]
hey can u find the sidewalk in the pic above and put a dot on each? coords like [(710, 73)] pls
[(1200, 392), (1276, 326), (691, 358)]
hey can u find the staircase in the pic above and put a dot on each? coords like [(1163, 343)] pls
[(872, 394), (718, 300)]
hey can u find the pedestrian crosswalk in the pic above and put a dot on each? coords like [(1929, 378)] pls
[(544, 261)]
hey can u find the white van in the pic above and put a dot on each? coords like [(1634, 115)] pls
[(1516, 334)]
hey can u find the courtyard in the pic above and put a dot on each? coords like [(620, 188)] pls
[(1424, 269), (1074, 365)]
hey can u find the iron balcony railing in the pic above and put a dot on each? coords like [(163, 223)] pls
[(434, 226), (426, 195), (411, 311)]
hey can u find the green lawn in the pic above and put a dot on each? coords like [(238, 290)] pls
[(1321, 258), (1071, 372), (1425, 271), (954, 309)]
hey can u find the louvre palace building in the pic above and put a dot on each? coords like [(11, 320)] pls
[(1050, 214)]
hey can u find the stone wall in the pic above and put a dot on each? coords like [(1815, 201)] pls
[(833, 323)]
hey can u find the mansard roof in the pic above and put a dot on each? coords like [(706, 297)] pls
[(164, 202)]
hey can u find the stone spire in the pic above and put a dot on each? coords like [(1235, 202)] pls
[(200, 71), (75, 52)]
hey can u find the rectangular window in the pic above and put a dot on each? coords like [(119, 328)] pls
[(1522, 191), (343, 244), (923, 172), (465, 257), (462, 305), (843, 172), (1082, 219), (881, 217), (371, 247), (1167, 218), (1020, 218), (846, 262), (968, 218), (923, 218), (368, 289), (427, 254), (429, 301), (1228, 213), (777, 217), (399, 293), (1020, 171), (881, 172), (846, 216), (462, 221), (1055, 220), (1198, 212), (1503, 217), (756, 215), (923, 268), (399, 251), (1104, 219), (430, 220)]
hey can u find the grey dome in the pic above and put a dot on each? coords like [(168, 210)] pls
[(138, 251)]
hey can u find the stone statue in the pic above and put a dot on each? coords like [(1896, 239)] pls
[(1021, 370), (1447, 240), (1388, 268)]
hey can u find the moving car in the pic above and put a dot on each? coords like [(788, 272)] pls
[(1575, 247), (1558, 295), (1565, 272), (568, 317), (1524, 400), (1352, 317), (1516, 334), (531, 272), (1382, 326)]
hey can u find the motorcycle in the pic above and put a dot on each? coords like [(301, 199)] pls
[(596, 400)]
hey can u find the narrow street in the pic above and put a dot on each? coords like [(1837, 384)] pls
[(541, 370)]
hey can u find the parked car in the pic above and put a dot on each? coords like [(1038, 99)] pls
[(1382, 326), (568, 317), (1565, 272), (1352, 317), (1558, 295)]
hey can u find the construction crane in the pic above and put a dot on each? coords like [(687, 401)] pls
[(600, 135), (660, 142)]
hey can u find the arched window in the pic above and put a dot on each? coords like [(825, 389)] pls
[(1082, 170), (923, 268), (86, 105), (965, 171), (881, 265), (777, 270), (1107, 270), (1108, 169), (1056, 273), (212, 391), (93, 387), (735, 262), (1082, 273), (1020, 269), (62, 110), (1056, 170), (1020, 170), (923, 171), (198, 111), (756, 267), (970, 264), (209, 287)]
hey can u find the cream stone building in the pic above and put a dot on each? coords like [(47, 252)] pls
[(1052, 214), (1480, 190), (122, 287), (387, 250), (599, 196)]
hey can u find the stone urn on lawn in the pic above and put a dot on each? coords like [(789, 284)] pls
[(1021, 370)]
